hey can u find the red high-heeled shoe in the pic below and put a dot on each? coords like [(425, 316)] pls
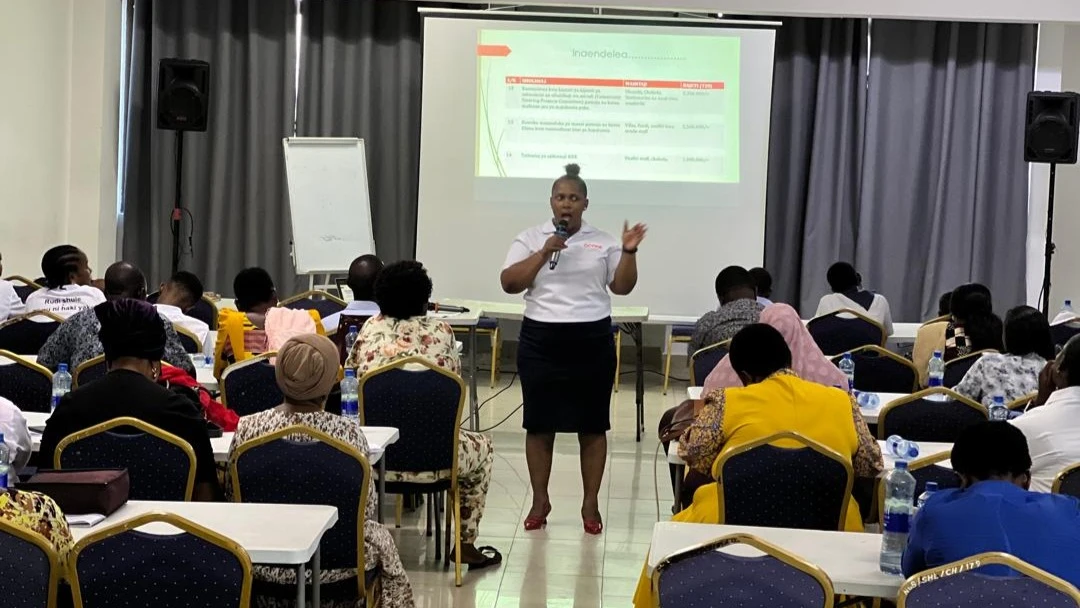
[(592, 526), (535, 523)]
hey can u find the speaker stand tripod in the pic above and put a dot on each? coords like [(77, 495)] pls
[(1049, 253), (178, 210)]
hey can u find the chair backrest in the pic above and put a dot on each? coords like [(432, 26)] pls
[(1022, 403), (706, 575), (298, 465), (23, 335), (1062, 332), (1068, 481), (27, 384), (923, 470), (249, 387), (845, 329), (993, 580), (425, 406), (326, 304), (935, 320), (878, 370), (188, 340), (88, 371), (956, 369), (30, 566), (120, 566), (161, 465), (806, 486), (934, 414), (344, 321), (705, 359), (206, 311)]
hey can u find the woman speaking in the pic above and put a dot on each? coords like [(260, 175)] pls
[(566, 353)]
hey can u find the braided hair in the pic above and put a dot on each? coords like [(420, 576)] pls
[(59, 263)]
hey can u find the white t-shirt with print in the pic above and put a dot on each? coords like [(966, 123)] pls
[(64, 301)]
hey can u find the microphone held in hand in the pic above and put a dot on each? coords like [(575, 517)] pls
[(561, 230)]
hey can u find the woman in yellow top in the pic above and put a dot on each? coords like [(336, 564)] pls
[(39, 514), (257, 325), (772, 400)]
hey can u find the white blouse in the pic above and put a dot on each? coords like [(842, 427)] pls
[(577, 290)]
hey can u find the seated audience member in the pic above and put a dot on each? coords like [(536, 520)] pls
[(76, 340), (178, 295), (306, 371), (972, 326), (763, 283), (402, 329), (848, 293), (362, 274), (807, 360), (1053, 428), (133, 337), (37, 513), (67, 278), (16, 435), (1014, 372), (10, 303), (738, 308), (258, 325), (774, 399), (993, 511), (944, 304)]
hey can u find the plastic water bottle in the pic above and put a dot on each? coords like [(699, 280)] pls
[(61, 385), (936, 371), (208, 356), (901, 449), (847, 366), (997, 409), (868, 400), (350, 395), (1068, 307), (6, 474), (928, 491), (350, 338), (899, 496)]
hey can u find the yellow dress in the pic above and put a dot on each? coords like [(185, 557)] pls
[(783, 402), (37, 513), (238, 339)]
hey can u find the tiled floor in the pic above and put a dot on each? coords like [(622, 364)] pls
[(559, 566)]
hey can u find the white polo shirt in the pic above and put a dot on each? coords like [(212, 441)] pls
[(10, 304), (64, 301), (1053, 436), (577, 290)]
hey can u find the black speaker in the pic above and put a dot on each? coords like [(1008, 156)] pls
[(1051, 130), (183, 94)]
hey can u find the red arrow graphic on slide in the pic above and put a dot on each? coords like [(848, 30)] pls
[(492, 50)]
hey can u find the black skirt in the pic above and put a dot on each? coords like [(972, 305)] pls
[(567, 371)]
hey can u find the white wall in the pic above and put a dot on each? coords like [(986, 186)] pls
[(58, 129), (1065, 278)]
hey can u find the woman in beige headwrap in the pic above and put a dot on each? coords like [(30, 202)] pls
[(306, 370)]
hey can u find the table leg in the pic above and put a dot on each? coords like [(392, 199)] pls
[(639, 397), (300, 584), (474, 412), (316, 576), (382, 485)]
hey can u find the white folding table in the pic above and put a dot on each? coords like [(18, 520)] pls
[(286, 535)]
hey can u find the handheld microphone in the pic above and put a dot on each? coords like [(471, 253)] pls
[(560, 230), (436, 307)]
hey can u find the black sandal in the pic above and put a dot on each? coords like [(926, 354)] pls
[(489, 560)]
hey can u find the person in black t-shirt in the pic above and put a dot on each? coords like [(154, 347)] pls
[(133, 337)]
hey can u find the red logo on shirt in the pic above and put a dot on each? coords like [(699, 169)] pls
[(594, 246)]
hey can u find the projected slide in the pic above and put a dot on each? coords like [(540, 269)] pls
[(639, 107)]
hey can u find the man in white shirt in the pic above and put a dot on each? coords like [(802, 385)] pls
[(67, 273), (179, 294), (11, 305), (848, 293), (16, 434), (1053, 429), (362, 274)]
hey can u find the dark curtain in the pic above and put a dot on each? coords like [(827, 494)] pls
[(233, 175), (815, 147), (944, 182), (361, 77)]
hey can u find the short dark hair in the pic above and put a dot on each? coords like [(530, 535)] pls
[(573, 175), (362, 274), (189, 284), (732, 278), (990, 449), (842, 277), (1069, 361), (252, 286), (759, 351), (403, 289), (970, 299), (944, 304), (124, 280), (762, 280), (1026, 332), (972, 307), (59, 263)]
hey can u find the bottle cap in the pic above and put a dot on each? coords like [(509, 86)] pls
[(900, 464), (937, 353), (847, 356), (352, 328), (62, 367), (350, 373), (931, 486)]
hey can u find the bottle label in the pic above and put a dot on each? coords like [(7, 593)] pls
[(55, 401), (899, 522), (935, 382), (3, 480)]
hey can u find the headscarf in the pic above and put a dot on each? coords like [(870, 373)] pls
[(307, 368), (130, 328), (807, 360)]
